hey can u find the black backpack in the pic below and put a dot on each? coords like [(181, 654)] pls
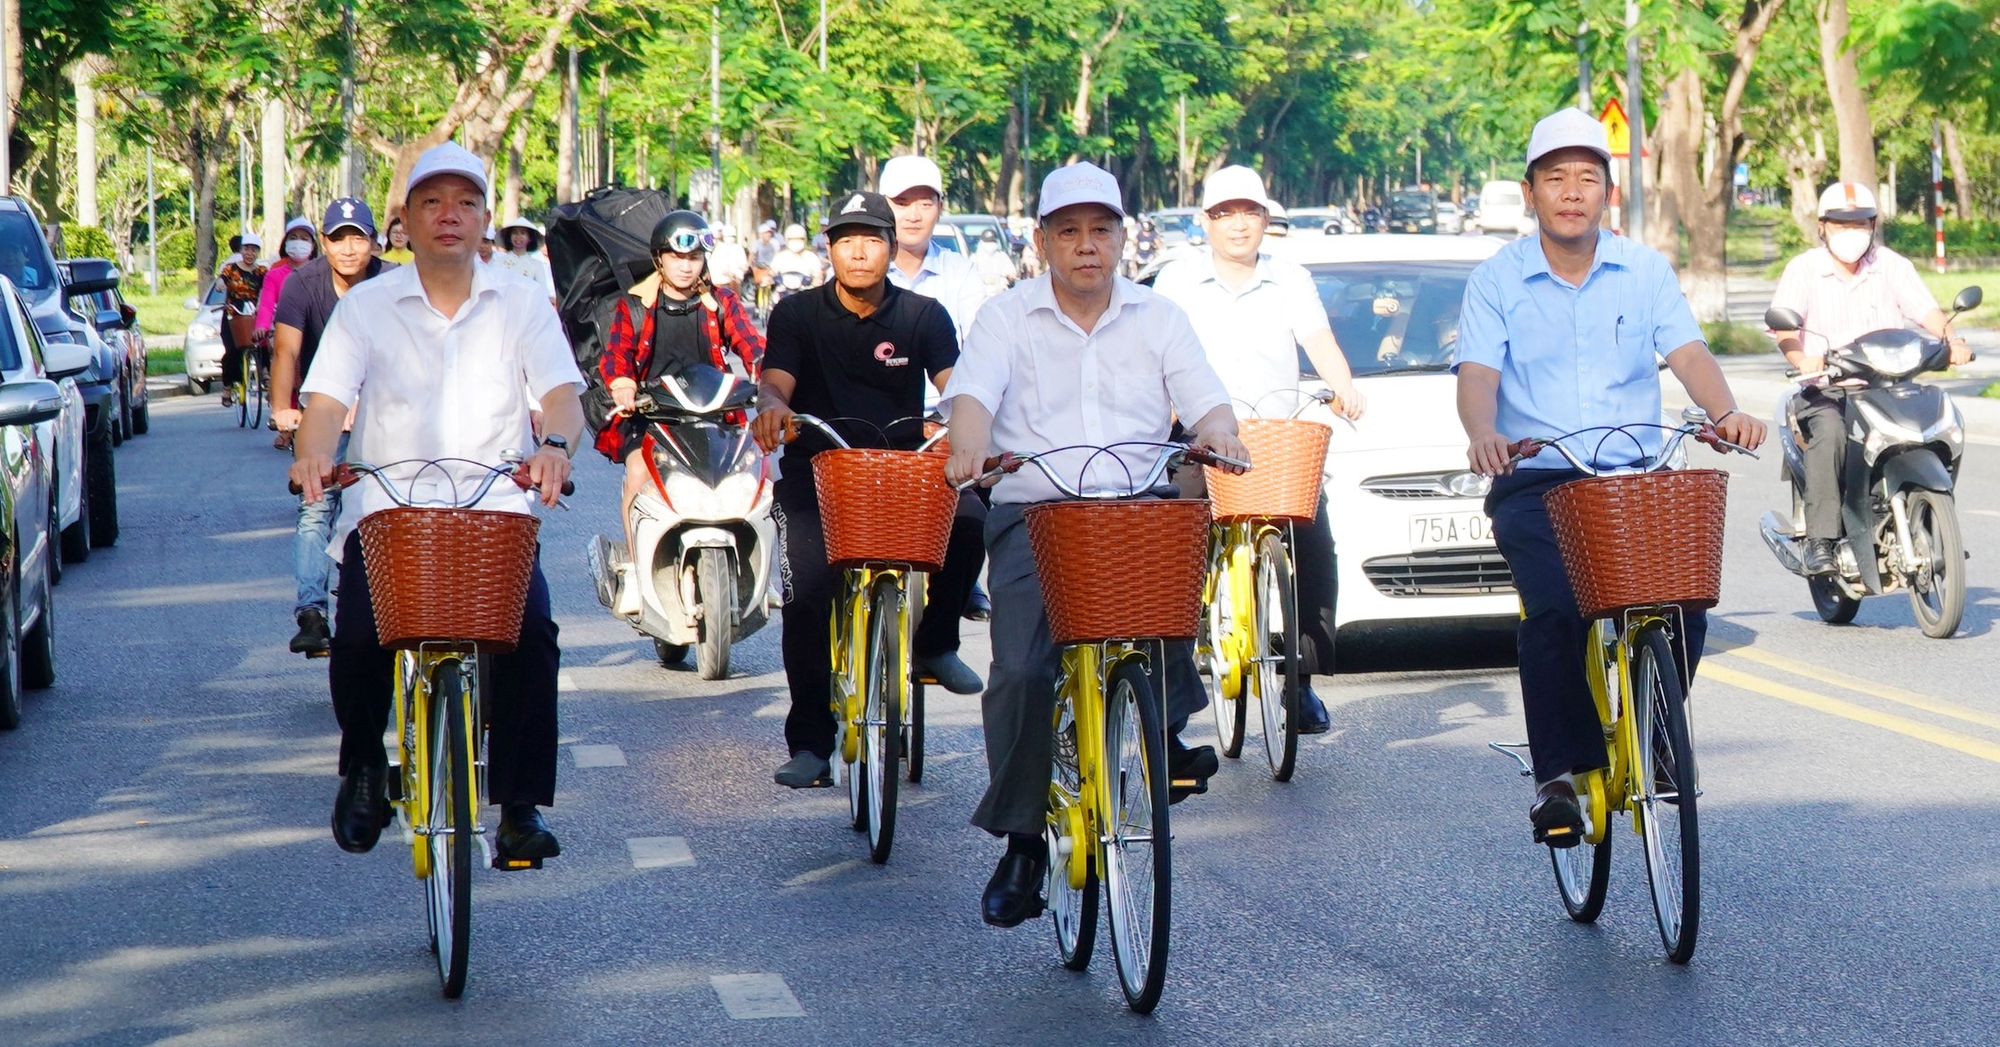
[(598, 248)]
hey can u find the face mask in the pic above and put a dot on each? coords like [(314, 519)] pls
[(1849, 245), (298, 250)]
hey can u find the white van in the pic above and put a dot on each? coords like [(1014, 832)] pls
[(1501, 210)]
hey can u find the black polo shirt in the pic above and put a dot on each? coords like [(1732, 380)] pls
[(307, 303), (871, 369)]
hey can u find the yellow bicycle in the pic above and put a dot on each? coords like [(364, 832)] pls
[(1108, 790), (437, 772), (877, 701), (1635, 662)]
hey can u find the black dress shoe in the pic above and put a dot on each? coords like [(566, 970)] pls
[(313, 637), (978, 607), (1819, 556), (1014, 893), (1188, 770), (360, 810), (524, 835), (1557, 816), (1313, 718)]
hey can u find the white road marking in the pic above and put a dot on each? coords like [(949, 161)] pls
[(659, 852), (826, 873), (750, 996), (597, 755), (565, 683), (1984, 512), (256, 535)]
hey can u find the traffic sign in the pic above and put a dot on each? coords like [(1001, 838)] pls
[(1618, 127)]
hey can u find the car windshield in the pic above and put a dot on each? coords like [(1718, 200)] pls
[(949, 243), (1181, 225), (23, 258), (1411, 201), (1311, 221), (1393, 317), (217, 294)]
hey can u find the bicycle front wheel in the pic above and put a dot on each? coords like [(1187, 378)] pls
[(1138, 862), (256, 384), (243, 387), (1216, 629), (451, 825), (882, 716), (1276, 642), (1670, 786), (1073, 908)]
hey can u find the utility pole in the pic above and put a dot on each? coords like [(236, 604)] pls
[(1635, 112), (152, 229), (604, 176), (715, 107), (1181, 165), (350, 177), (1027, 147), (242, 182), (1937, 192), (1583, 65)]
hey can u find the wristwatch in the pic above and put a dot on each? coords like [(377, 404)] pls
[(559, 442)]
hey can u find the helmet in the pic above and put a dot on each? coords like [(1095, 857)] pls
[(795, 231), (1847, 202), (682, 232)]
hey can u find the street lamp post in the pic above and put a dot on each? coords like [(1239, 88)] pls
[(1583, 66), (1635, 112), (152, 229), (715, 107)]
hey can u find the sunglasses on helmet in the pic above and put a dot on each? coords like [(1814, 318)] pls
[(688, 241)]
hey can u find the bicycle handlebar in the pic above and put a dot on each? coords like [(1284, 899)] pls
[(1009, 462), (792, 431), (347, 474), (1521, 450)]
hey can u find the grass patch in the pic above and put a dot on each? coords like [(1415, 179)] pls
[(1947, 285), (1750, 236), (165, 361), (1726, 338), (162, 313), (1991, 392)]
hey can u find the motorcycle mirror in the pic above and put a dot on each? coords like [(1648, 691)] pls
[(1778, 319), (1967, 299)]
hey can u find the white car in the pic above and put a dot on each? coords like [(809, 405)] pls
[(1451, 221), (201, 350), (1502, 211), (1413, 540)]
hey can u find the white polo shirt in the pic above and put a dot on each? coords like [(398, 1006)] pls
[(1050, 385), (427, 386), (1252, 336)]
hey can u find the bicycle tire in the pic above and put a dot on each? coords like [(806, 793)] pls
[(243, 385), (256, 383), (1276, 650), (1669, 783), (1073, 910), (1582, 873), (1231, 714), (1138, 850), (451, 825), (882, 715)]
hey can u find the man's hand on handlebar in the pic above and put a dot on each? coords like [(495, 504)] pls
[(547, 469), (1226, 444), (772, 426), (1961, 353), (309, 473), (1491, 454), (966, 463), (1349, 403), (1743, 430), (287, 419)]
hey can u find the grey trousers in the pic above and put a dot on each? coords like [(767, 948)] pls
[(1822, 429), (1019, 705)]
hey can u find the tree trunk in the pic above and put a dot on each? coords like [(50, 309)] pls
[(1805, 166), (1954, 154), (84, 75), (510, 201), (1850, 102), (566, 138), (275, 179), (1079, 111), (1010, 161), (1677, 141), (201, 176)]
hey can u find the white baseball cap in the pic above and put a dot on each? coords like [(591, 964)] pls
[(1570, 128), (1080, 183), (904, 173), (448, 158), (252, 240), (1847, 202), (1235, 182)]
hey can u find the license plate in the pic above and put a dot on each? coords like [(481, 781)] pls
[(1450, 529)]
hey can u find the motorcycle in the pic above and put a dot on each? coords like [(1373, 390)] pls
[(1903, 444), (788, 283), (700, 571)]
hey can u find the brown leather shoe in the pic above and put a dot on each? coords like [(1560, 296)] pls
[(1557, 816)]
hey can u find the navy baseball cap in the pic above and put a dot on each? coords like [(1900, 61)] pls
[(347, 211)]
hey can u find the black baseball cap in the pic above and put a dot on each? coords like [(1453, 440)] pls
[(861, 208)]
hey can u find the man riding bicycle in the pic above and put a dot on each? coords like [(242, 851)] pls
[(439, 360), (1563, 331), (1079, 355), (855, 351), (1844, 289)]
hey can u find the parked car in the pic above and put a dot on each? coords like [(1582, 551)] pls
[(29, 402), (1502, 210), (1412, 209), (1324, 220), (1414, 541), (1450, 221), (117, 323), (963, 230), (201, 350), (81, 445), (1177, 225)]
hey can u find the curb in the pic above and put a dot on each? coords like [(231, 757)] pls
[(168, 385)]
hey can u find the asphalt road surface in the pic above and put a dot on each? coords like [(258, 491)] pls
[(167, 875)]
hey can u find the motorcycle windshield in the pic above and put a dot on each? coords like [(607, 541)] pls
[(700, 389), (707, 451), (1898, 352)]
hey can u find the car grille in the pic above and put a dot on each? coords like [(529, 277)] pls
[(1407, 487), (1449, 572)]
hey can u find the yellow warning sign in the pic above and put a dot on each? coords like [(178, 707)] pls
[(1618, 127)]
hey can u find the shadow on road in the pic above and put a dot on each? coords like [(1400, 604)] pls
[(1421, 646)]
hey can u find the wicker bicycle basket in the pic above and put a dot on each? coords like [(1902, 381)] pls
[(449, 575), (885, 508), (1287, 458), (1643, 540), (1128, 569)]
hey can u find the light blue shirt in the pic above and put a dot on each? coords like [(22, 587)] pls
[(952, 279), (1571, 357)]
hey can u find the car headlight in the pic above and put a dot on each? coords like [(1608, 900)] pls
[(203, 332), (1468, 484)]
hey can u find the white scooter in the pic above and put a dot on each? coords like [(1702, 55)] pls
[(700, 572)]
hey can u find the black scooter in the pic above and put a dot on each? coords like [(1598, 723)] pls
[(1904, 441)]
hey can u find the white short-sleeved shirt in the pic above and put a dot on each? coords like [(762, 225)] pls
[(951, 279), (529, 264), (1884, 292), (1049, 385), (1252, 336), (428, 386)]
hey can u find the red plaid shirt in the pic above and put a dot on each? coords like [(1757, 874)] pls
[(629, 353)]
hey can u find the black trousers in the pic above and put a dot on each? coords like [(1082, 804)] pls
[(520, 709), (232, 355), (811, 585), (1564, 733), (1822, 429), (1316, 565)]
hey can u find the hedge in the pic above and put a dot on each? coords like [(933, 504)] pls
[(87, 241)]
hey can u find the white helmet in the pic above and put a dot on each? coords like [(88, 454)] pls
[(1847, 202), (795, 231)]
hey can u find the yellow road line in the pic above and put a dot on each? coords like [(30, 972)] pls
[(1878, 690), (1861, 714)]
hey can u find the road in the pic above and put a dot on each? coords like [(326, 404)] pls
[(167, 870)]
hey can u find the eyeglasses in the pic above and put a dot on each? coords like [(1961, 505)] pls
[(1252, 213), (688, 241)]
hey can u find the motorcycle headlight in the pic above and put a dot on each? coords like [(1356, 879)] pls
[(739, 492), (1897, 359), (689, 496)]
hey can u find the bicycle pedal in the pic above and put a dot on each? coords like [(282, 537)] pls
[(310, 655), (1561, 837), (507, 863), (1179, 789)]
